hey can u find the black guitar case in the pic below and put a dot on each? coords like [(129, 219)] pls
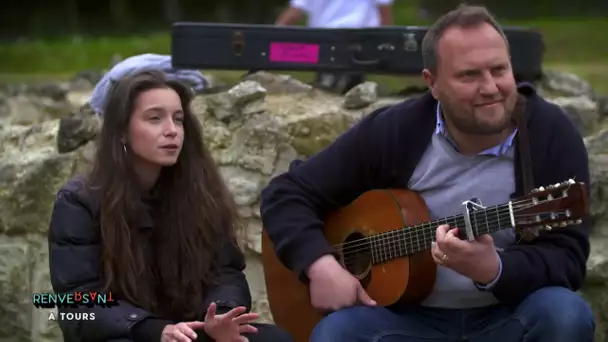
[(384, 50)]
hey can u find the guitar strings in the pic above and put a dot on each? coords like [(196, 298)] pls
[(410, 247), (516, 205), (354, 246), (351, 251), (351, 254)]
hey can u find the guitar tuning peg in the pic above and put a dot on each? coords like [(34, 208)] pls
[(551, 186), (563, 224), (541, 189), (548, 228), (571, 181), (557, 185)]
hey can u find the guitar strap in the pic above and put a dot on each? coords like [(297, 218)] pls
[(525, 159), (523, 143)]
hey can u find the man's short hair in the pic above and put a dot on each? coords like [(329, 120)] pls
[(464, 16)]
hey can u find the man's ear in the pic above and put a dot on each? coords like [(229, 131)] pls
[(431, 81)]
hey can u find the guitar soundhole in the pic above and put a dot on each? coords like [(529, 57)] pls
[(357, 257)]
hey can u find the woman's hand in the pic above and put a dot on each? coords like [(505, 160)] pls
[(181, 332), (228, 327)]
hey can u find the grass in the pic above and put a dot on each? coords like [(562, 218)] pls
[(574, 45), (594, 73)]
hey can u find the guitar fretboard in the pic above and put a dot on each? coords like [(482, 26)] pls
[(412, 239)]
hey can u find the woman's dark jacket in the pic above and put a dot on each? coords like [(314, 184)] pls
[(75, 265)]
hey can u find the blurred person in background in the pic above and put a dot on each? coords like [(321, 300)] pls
[(338, 14), (154, 224)]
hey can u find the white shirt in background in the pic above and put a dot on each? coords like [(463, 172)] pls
[(341, 13)]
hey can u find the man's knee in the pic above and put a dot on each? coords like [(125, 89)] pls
[(558, 309), (344, 325)]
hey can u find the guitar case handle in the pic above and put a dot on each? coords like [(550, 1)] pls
[(366, 62), (383, 49)]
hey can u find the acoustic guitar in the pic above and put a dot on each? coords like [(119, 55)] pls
[(383, 238)]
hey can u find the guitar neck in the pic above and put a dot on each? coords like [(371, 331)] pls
[(412, 239)]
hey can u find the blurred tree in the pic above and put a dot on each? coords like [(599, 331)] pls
[(40, 18), (119, 12), (523, 9), (172, 10)]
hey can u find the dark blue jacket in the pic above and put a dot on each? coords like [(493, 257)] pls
[(75, 259), (383, 150)]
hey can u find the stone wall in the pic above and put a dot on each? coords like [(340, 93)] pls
[(254, 130)]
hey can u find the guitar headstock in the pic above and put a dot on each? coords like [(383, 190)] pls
[(553, 206)]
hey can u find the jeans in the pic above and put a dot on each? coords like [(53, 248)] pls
[(266, 333), (551, 314)]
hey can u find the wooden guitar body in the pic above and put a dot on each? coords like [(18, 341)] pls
[(395, 282)]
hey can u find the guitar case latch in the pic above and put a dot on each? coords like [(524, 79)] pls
[(238, 43)]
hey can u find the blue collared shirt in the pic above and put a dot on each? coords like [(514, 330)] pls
[(498, 150)]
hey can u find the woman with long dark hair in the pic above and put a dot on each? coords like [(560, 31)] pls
[(154, 224)]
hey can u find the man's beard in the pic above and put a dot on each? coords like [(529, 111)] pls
[(468, 123)]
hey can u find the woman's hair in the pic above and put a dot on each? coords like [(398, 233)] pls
[(191, 210)]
